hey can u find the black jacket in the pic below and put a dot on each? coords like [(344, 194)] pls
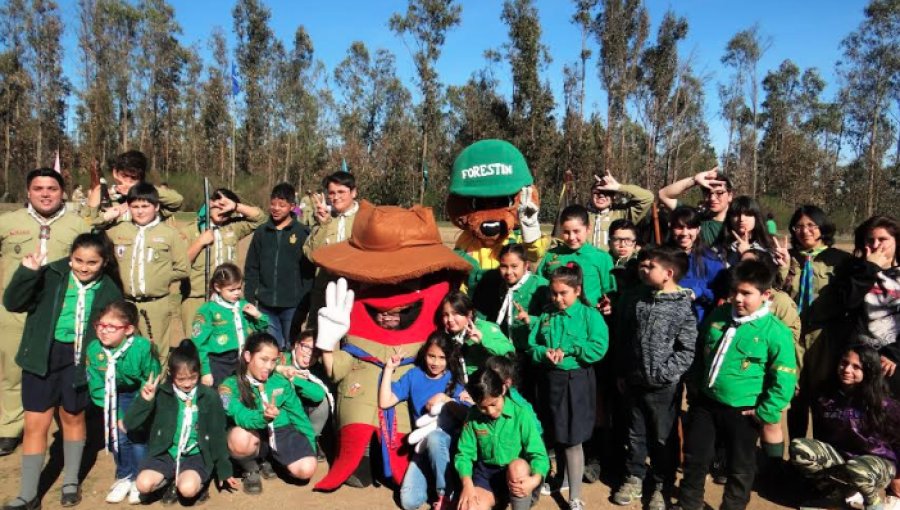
[(276, 273)]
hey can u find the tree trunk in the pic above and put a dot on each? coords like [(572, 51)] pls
[(424, 166)]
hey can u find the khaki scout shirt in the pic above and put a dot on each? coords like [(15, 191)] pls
[(20, 236), (170, 202), (232, 232), (165, 258)]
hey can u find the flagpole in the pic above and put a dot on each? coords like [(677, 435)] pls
[(235, 88)]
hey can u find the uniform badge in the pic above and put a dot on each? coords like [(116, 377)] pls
[(277, 391), (223, 339), (120, 250), (293, 239), (218, 316), (101, 357), (18, 249), (745, 364), (225, 395)]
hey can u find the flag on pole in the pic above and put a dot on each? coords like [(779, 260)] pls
[(235, 85), (344, 166), (56, 165)]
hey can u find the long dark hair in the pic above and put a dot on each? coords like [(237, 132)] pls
[(254, 343), (100, 243), (865, 228), (745, 206), (183, 356), (817, 216), (452, 353), (690, 217), (871, 394)]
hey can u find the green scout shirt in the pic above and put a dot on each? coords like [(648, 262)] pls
[(65, 324), (513, 435), (579, 331), (759, 369), (193, 445), (233, 230), (308, 391), (213, 330), (638, 205), (493, 343), (281, 393), (517, 397), (165, 258), (132, 369), (596, 266)]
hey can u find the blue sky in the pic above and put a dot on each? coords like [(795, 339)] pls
[(808, 32)]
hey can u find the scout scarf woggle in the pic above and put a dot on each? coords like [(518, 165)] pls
[(45, 226)]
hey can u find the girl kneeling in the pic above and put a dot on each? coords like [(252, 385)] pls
[(268, 416), (187, 430)]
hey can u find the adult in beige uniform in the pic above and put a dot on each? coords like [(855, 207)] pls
[(231, 222), (43, 226), (333, 225), (152, 256)]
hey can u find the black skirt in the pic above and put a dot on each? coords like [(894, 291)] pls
[(571, 396)]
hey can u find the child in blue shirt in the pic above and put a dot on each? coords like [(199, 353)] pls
[(434, 389)]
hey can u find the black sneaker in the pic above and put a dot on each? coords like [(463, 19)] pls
[(266, 470), (8, 445), (70, 498), (203, 497), (252, 482), (21, 504), (170, 497)]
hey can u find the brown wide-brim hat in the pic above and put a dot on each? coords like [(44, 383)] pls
[(390, 244)]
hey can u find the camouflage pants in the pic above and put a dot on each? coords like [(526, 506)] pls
[(866, 474)]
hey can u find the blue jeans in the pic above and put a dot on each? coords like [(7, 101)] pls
[(280, 319), (131, 447), (434, 460)]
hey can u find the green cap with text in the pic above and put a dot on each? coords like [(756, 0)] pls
[(489, 168)]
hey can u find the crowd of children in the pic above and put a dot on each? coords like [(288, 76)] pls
[(686, 352)]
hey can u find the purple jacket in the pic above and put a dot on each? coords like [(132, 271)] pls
[(837, 422)]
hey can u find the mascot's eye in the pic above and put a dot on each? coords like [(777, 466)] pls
[(485, 203)]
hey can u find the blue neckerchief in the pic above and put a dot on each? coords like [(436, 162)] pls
[(386, 431), (805, 296)]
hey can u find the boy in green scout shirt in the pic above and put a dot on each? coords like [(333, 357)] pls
[(117, 363), (45, 225), (500, 455), (606, 211), (268, 416), (223, 323), (596, 265), (746, 372), (230, 221), (151, 256)]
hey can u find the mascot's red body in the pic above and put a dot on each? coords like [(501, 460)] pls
[(393, 261)]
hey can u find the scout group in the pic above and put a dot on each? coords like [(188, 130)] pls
[(349, 334)]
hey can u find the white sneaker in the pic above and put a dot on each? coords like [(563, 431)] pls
[(119, 490), (856, 501), (134, 495), (891, 502)]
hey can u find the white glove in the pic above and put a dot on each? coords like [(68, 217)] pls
[(417, 436), (334, 317), (528, 216)]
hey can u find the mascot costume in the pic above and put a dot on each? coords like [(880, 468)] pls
[(494, 203), (394, 261)]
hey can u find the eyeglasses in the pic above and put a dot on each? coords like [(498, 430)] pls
[(105, 326), (809, 227), (716, 193), (305, 348), (627, 241)]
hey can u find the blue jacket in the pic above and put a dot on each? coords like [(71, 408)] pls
[(708, 286)]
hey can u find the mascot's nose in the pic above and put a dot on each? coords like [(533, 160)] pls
[(491, 228)]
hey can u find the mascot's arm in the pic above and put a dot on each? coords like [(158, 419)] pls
[(534, 251)]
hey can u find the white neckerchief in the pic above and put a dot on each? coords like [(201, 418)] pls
[(342, 220), (262, 394), (236, 317), (736, 322), (218, 256), (187, 423), (80, 312), (137, 258), (506, 309), (45, 223), (599, 231), (312, 378), (110, 397)]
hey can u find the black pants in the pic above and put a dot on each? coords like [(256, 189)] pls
[(707, 421), (652, 416)]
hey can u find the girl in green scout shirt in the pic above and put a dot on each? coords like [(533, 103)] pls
[(117, 363), (62, 299), (268, 417), (187, 431), (223, 323), (596, 265), (500, 456), (566, 342), (480, 339)]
